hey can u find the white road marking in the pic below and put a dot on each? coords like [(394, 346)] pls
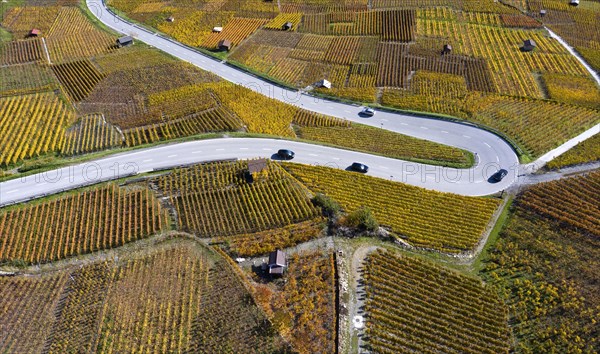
[(336, 158), (384, 167), (171, 156), (347, 111), (266, 149), (196, 152), (488, 145), (42, 183), (313, 155), (13, 191), (384, 120), (243, 148), (220, 150), (497, 159), (466, 136), (425, 128), (403, 124), (445, 132), (147, 160)]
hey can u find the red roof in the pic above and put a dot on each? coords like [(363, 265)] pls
[(35, 31)]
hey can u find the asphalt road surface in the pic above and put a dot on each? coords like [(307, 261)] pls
[(491, 151)]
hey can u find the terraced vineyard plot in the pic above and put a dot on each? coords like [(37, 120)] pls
[(26, 310), (77, 224), (433, 220), (80, 311), (537, 125), (306, 118), (416, 306), (305, 306), (91, 133), (582, 91), (78, 78), (587, 151), (163, 291), (572, 202), (263, 242), (217, 200), (219, 119), (384, 142), (547, 270), (235, 31), (20, 20), (31, 125), (26, 78), (79, 45), (19, 52), (283, 18)]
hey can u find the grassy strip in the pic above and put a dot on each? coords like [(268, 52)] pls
[(478, 265)]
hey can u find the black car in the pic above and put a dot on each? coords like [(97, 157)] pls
[(367, 112), (499, 175), (285, 154), (359, 167)]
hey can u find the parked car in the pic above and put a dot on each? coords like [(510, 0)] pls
[(498, 176), (359, 167), (285, 154), (367, 112)]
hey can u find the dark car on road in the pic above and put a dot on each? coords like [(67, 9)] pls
[(285, 154), (367, 112), (498, 176), (359, 167)]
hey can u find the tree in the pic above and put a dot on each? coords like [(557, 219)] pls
[(362, 219)]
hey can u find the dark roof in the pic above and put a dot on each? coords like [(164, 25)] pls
[(447, 46), (529, 43), (225, 43), (257, 165), (125, 40), (277, 259)]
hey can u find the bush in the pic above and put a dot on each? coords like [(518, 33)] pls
[(362, 219), (329, 206)]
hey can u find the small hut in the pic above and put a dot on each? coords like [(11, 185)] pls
[(287, 26), (225, 45), (447, 49), (574, 2), (277, 262), (124, 41), (324, 83), (529, 45), (170, 19), (257, 169), (34, 32), (217, 29), (543, 13)]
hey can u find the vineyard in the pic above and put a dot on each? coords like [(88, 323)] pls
[(263, 242), (91, 133), (31, 125), (78, 78), (573, 202), (26, 78), (428, 219), (218, 200), (416, 306), (386, 143), (26, 310), (304, 308), (178, 294), (20, 52), (235, 31), (586, 151), (77, 224), (547, 268), (576, 90)]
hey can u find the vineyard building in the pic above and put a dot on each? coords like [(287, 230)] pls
[(324, 83), (277, 262), (34, 32), (225, 45), (170, 19), (447, 49), (529, 45), (287, 26), (125, 41)]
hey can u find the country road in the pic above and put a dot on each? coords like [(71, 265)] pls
[(491, 151)]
